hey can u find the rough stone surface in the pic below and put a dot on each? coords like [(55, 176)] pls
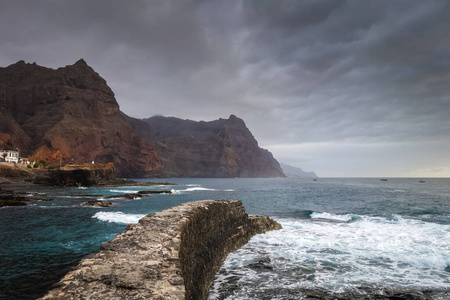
[(79, 175), (172, 254), (97, 203), (10, 172)]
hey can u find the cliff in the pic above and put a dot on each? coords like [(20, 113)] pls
[(69, 113), (173, 254), (78, 175), (220, 148)]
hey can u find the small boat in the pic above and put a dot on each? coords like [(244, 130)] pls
[(383, 179), (422, 181), (315, 179)]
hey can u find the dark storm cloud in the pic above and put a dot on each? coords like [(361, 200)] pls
[(325, 74)]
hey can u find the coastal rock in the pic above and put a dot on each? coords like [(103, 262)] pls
[(97, 203), (131, 196), (11, 173), (155, 192), (220, 148), (13, 198), (70, 115), (79, 175), (172, 254)]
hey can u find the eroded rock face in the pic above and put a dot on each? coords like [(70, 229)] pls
[(78, 175), (172, 254), (220, 148), (69, 113)]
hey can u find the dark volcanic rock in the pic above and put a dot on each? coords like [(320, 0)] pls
[(155, 192), (69, 112), (126, 196), (97, 203), (12, 198), (78, 175), (10, 172), (172, 254), (221, 148)]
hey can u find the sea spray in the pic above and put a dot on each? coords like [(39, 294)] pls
[(340, 253), (118, 217)]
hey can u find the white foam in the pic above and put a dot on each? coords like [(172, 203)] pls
[(190, 189), (124, 191), (328, 216), (369, 251), (118, 217)]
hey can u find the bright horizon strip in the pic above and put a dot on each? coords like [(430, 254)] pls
[(371, 159)]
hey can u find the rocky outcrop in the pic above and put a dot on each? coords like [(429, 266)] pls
[(220, 148), (69, 114), (10, 172), (13, 198), (172, 254), (79, 175), (97, 203)]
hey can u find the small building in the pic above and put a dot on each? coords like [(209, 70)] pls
[(9, 155)]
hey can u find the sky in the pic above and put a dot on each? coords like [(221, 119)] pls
[(341, 88)]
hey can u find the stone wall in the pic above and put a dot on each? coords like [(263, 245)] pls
[(172, 254)]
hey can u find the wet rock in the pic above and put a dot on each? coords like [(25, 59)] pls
[(155, 192), (12, 198), (126, 196), (97, 203), (261, 265)]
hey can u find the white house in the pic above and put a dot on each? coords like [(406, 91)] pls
[(9, 155)]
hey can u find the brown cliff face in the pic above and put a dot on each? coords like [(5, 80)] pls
[(221, 148), (69, 112)]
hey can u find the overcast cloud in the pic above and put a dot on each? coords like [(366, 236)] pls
[(342, 88)]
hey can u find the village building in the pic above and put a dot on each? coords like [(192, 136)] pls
[(9, 156)]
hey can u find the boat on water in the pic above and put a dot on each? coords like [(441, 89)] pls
[(422, 181), (383, 179)]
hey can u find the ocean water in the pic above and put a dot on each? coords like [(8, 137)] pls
[(339, 236)]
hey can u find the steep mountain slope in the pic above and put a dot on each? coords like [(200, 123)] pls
[(220, 148), (69, 112)]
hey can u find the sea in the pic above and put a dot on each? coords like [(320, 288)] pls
[(342, 238)]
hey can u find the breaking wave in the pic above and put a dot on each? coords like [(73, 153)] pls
[(118, 217)]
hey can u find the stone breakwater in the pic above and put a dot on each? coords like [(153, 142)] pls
[(172, 254)]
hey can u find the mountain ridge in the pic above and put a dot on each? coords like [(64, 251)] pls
[(70, 114), (218, 148)]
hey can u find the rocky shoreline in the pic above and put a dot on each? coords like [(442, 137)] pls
[(172, 254), (16, 180)]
